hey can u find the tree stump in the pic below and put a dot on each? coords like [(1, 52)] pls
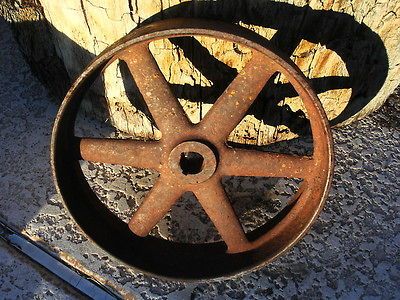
[(350, 51)]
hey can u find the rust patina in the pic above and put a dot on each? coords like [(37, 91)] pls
[(192, 157)]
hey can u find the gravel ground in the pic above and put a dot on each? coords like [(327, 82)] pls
[(352, 251)]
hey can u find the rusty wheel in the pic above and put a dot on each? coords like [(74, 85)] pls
[(192, 157)]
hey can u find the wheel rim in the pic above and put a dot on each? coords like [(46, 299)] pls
[(239, 251)]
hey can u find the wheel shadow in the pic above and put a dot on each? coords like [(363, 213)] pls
[(361, 50)]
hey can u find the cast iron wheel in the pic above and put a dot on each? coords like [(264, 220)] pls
[(176, 157)]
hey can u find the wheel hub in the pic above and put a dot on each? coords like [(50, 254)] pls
[(192, 162)]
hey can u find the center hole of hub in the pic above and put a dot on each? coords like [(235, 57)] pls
[(191, 163)]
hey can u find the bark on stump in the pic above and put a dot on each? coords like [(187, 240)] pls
[(349, 49)]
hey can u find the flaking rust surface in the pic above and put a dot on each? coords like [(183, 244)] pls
[(352, 250)]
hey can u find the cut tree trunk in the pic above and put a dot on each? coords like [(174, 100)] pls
[(350, 50)]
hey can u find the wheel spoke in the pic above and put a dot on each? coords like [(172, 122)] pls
[(232, 105), (163, 105), (216, 204), (241, 162), (126, 152), (155, 206)]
